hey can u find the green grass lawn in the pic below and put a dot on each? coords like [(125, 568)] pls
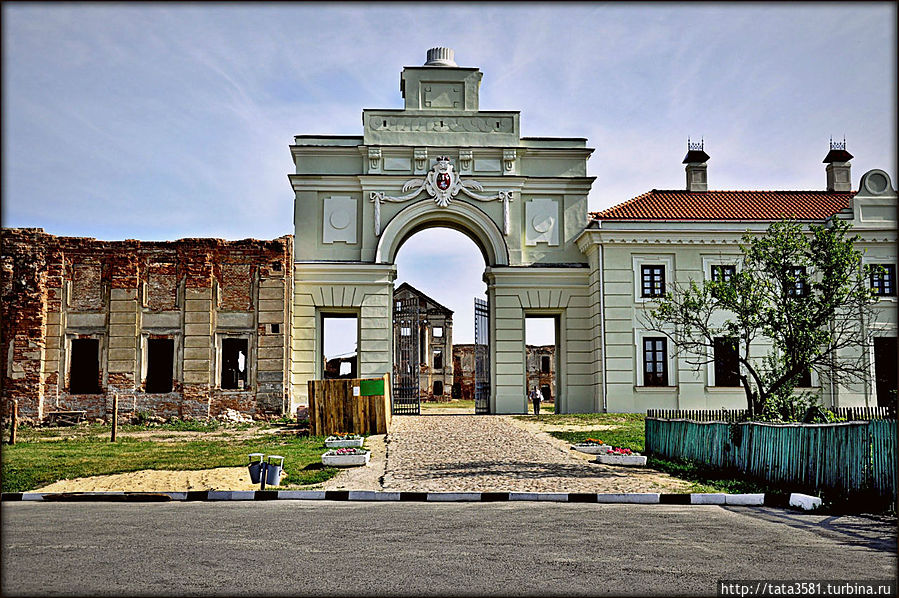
[(42, 457)]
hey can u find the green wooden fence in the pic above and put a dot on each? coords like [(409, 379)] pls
[(844, 458)]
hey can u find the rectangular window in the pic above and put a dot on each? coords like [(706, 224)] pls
[(84, 367), (723, 272), (798, 286), (160, 362), (438, 388), (655, 361), (438, 359), (544, 364), (805, 379), (438, 331), (883, 282), (546, 392), (726, 365), (653, 281), (235, 354)]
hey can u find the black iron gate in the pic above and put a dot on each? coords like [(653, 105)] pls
[(481, 357), (405, 398)]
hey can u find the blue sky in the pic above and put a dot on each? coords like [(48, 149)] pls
[(161, 121)]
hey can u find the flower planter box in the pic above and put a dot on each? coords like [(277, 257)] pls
[(633, 460), (592, 449), (354, 443), (330, 459)]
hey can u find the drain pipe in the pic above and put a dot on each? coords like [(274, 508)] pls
[(602, 323)]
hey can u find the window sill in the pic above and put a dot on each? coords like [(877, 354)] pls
[(655, 388), (724, 389)]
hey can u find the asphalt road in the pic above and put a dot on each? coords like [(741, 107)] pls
[(421, 549)]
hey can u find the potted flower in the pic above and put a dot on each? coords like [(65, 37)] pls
[(346, 457), (592, 446), (344, 441), (621, 456)]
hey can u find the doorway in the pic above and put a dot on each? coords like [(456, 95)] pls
[(541, 357), (440, 325)]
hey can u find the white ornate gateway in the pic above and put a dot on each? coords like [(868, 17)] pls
[(442, 161), (443, 184)]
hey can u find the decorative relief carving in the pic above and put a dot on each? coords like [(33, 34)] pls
[(509, 160), (443, 184), (339, 220), (465, 161), (441, 124), (442, 95), (374, 158), (421, 160), (542, 221)]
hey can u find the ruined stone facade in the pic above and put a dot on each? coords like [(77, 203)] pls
[(541, 370), (435, 343), (186, 328)]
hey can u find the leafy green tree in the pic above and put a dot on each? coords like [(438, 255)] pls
[(800, 302)]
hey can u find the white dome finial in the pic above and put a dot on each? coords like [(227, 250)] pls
[(441, 57)]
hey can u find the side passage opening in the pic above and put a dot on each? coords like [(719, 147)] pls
[(541, 347), (340, 337)]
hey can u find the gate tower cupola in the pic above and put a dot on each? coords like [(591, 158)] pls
[(440, 84), (697, 166)]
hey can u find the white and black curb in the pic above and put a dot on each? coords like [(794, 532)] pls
[(646, 498)]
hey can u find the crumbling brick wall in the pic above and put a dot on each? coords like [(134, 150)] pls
[(125, 294)]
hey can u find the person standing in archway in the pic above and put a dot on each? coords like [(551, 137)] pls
[(535, 398)]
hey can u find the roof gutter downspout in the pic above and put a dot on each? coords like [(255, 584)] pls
[(602, 323)]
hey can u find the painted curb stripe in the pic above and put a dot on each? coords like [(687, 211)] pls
[(494, 496), (771, 500), (413, 496), (581, 497), (674, 499)]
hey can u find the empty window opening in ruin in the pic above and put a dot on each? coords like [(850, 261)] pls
[(84, 367), (541, 347), (276, 329), (340, 346), (438, 361), (160, 364), (235, 357), (438, 388)]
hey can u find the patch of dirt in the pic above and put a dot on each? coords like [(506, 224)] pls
[(150, 480)]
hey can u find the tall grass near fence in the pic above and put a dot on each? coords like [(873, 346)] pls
[(843, 460)]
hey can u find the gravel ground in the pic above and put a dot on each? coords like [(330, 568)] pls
[(498, 453)]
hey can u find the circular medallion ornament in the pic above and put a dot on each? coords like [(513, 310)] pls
[(542, 224), (339, 220), (876, 183)]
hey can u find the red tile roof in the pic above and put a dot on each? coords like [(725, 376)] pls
[(728, 205)]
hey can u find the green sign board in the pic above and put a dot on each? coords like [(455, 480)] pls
[(371, 388)]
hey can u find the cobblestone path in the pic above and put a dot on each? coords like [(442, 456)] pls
[(487, 453)]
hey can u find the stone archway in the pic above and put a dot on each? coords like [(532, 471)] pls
[(459, 215)]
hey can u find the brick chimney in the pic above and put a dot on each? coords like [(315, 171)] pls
[(696, 158), (839, 177)]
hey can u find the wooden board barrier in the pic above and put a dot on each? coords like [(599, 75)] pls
[(334, 407)]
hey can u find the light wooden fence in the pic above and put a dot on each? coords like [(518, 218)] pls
[(349, 406), (848, 459)]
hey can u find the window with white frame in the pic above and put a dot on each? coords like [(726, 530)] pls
[(723, 272), (883, 280), (797, 282), (652, 272), (655, 361), (652, 280)]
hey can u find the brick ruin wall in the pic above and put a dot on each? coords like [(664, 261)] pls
[(197, 292)]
